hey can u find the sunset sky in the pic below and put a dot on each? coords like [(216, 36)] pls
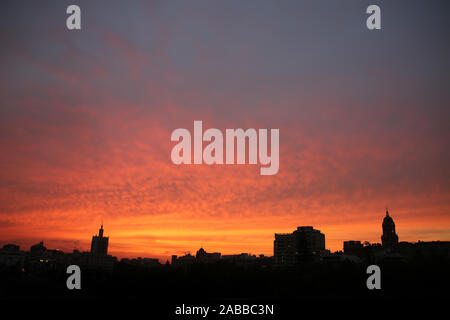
[(86, 118)]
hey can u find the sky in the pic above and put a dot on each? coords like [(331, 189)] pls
[(86, 118)]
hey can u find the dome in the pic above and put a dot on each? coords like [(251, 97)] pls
[(389, 237), (388, 220)]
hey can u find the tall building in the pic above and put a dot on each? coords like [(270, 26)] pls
[(303, 243), (99, 244), (389, 237), (284, 251)]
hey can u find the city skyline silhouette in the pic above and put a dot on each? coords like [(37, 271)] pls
[(161, 157), (301, 270), (389, 239)]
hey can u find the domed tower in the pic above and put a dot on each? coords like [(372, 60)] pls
[(389, 237)]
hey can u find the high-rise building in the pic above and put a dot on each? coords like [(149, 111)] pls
[(99, 244), (284, 250), (389, 237), (303, 243), (309, 240)]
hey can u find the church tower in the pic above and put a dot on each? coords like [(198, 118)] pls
[(389, 237)]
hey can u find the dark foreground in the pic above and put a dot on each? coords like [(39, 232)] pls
[(321, 288)]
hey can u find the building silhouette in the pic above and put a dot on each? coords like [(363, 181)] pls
[(143, 262), (305, 243), (99, 244), (200, 257), (185, 260), (389, 237), (206, 257), (38, 248), (353, 247)]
